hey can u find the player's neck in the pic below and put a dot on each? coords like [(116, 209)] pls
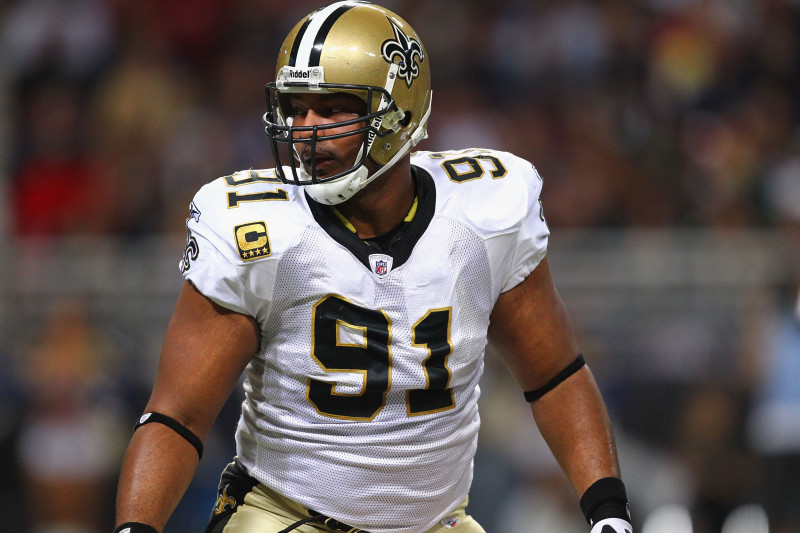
[(383, 204)]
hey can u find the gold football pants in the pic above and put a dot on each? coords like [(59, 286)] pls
[(266, 511)]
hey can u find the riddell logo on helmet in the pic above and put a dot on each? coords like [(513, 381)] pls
[(314, 75)]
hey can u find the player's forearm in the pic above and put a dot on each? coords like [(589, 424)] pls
[(157, 470), (573, 420)]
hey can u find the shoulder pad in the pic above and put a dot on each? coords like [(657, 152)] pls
[(493, 191)]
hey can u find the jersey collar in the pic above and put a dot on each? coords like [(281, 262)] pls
[(403, 241)]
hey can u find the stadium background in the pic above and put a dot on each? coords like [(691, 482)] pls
[(668, 135)]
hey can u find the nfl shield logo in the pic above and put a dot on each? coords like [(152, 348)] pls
[(450, 522), (380, 264)]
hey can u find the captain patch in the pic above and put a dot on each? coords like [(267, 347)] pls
[(252, 240)]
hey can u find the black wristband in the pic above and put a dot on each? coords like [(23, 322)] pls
[(135, 527), (606, 498), (175, 426)]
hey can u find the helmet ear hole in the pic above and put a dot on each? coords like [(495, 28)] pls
[(406, 119)]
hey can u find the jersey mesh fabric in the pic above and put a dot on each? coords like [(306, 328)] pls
[(395, 472)]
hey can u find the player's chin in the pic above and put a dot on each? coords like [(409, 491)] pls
[(324, 168)]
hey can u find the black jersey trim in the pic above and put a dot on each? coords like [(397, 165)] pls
[(403, 242)]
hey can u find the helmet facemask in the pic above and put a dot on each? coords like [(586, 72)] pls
[(282, 133)]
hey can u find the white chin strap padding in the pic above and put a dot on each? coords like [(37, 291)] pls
[(341, 190)]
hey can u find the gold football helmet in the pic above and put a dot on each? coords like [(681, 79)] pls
[(358, 48)]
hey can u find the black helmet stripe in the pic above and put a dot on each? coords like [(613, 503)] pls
[(307, 46), (296, 45), (319, 42)]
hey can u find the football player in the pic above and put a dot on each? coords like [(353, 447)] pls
[(356, 285)]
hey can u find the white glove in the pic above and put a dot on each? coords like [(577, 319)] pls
[(612, 525)]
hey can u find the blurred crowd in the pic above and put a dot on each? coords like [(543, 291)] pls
[(644, 113)]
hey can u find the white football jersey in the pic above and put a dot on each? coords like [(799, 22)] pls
[(362, 400)]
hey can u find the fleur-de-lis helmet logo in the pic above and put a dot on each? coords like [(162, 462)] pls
[(407, 49)]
